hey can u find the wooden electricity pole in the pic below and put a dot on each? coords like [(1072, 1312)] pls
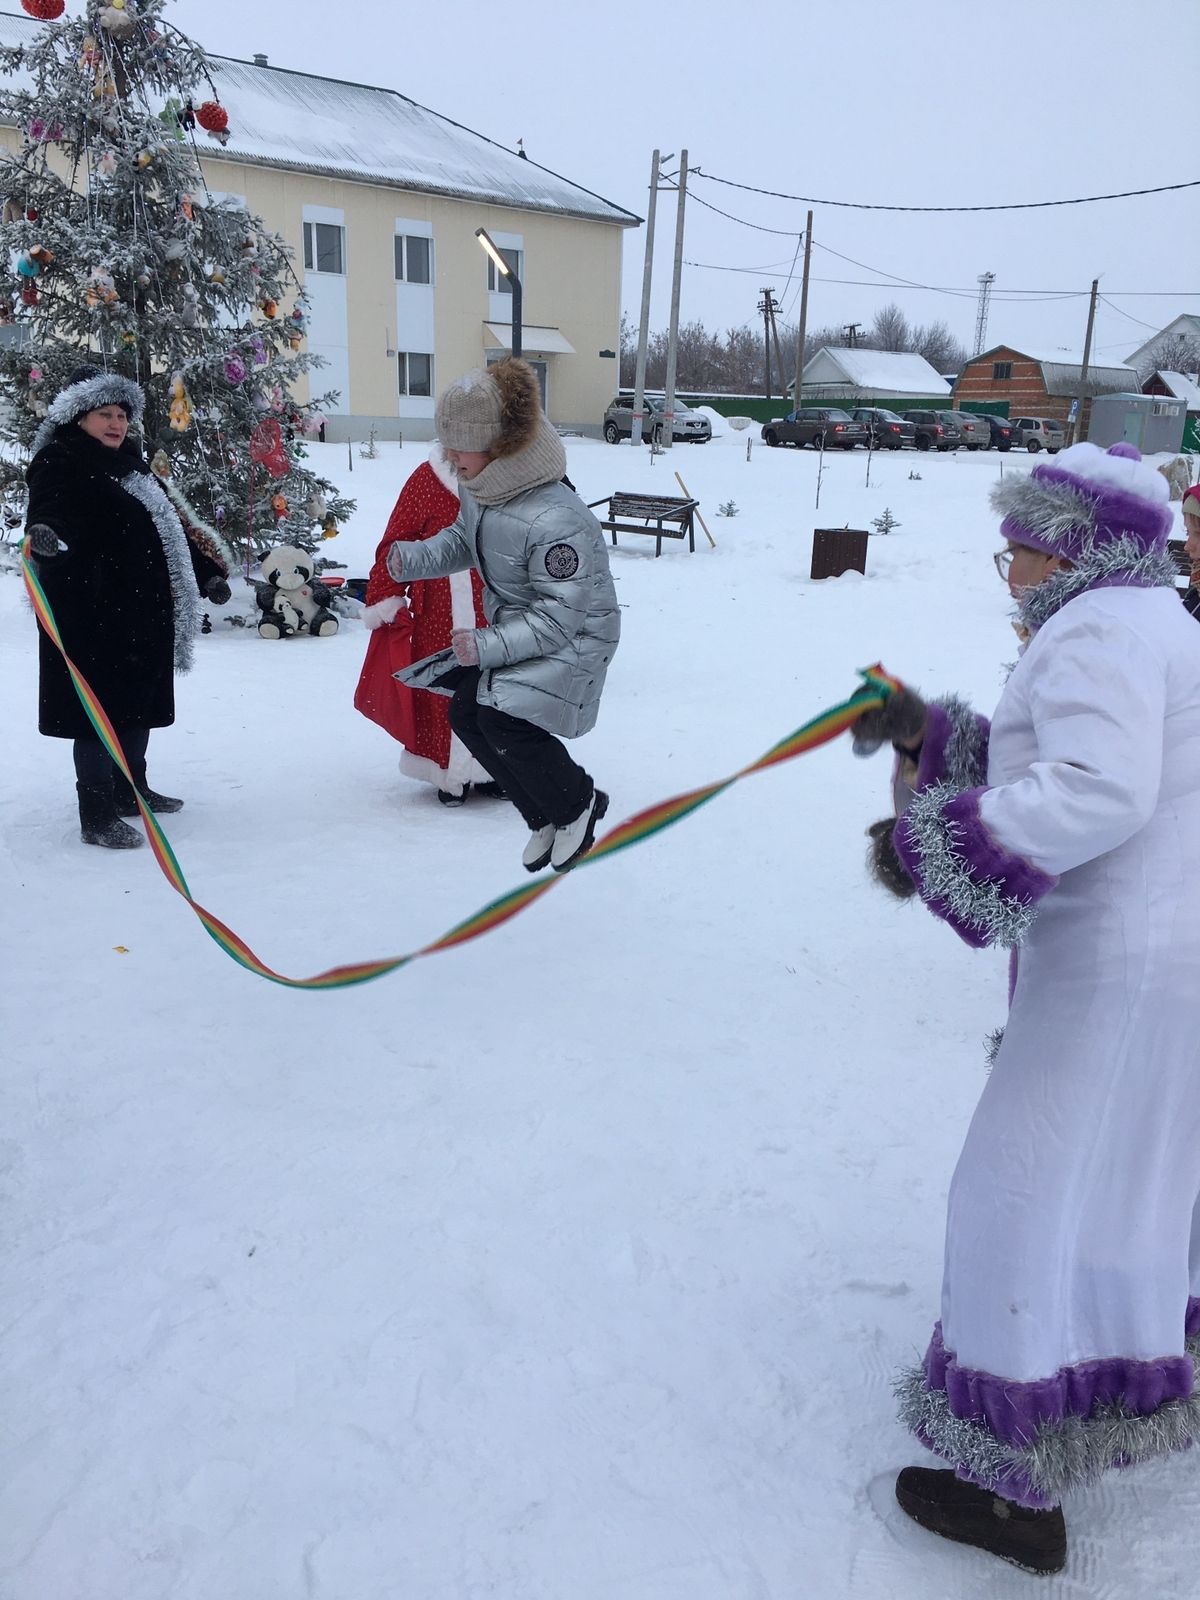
[(797, 398), (639, 382), (1077, 425)]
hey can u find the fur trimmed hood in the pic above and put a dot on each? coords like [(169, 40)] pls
[(87, 389)]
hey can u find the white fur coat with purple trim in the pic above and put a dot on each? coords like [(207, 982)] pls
[(1073, 1234)]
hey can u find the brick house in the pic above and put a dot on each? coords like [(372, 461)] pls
[(1026, 386)]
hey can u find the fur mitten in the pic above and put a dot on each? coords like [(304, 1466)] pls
[(900, 721), (384, 612), (884, 861)]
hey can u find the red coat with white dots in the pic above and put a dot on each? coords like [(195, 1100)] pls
[(419, 721)]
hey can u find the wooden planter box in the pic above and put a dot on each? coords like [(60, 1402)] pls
[(838, 550)]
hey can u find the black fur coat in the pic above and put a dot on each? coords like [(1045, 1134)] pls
[(110, 589)]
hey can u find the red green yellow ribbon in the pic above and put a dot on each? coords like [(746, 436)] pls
[(877, 686)]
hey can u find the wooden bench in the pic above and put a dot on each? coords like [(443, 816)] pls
[(662, 510)]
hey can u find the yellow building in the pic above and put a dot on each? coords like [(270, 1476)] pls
[(379, 198)]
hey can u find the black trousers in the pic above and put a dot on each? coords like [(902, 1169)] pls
[(94, 765), (531, 765)]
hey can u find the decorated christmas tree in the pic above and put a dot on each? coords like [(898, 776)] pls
[(121, 256)]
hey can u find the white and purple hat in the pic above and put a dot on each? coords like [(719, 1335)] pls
[(1087, 499)]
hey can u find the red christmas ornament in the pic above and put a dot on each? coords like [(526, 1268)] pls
[(266, 448), (212, 115), (29, 294), (44, 10)]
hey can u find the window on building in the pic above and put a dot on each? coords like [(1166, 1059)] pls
[(415, 373), (1001, 370), (324, 247), (414, 258), (497, 282)]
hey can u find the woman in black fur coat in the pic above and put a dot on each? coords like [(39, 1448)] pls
[(124, 583)]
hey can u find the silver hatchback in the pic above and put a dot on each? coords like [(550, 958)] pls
[(688, 427)]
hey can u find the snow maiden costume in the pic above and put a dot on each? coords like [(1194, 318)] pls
[(1069, 832)]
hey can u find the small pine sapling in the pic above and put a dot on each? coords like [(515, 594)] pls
[(727, 509), (886, 522)]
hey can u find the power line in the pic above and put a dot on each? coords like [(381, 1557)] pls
[(1126, 314), (1019, 205), (903, 283), (787, 233)]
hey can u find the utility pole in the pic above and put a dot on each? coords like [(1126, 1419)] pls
[(852, 333), (639, 382), (673, 331), (778, 352), (1077, 425), (767, 306), (798, 396)]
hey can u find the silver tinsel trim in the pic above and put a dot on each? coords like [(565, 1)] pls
[(1123, 559), (979, 903), (1064, 1455), (966, 764), (1053, 510), (184, 593), (991, 1046)]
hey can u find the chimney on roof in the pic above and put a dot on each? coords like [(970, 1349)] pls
[(260, 59)]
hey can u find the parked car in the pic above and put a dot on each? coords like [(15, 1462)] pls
[(885, 430), (977, 434), (690, 427), (1002, 431), (933, 432), (1039, 433), (821, 426)]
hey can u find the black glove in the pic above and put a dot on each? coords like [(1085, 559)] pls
[(44, 542), (884, 860), (900, 721), (218, 591)]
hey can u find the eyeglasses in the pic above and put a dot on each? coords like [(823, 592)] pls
[(1004, 560)]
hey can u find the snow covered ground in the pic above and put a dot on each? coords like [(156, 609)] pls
[(572, 1265)]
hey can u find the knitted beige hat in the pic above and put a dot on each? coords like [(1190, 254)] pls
[(468, 413), (498, 410)]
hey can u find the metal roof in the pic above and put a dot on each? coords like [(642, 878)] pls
[(306, 123), (1062, 378)]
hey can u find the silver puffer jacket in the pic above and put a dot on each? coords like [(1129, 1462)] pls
[(548, 597)]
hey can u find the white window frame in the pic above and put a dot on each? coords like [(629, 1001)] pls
[(310, 247), (403, 358), (496, 281), (402, 240)]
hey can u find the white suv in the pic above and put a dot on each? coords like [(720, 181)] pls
[(1039, 433)]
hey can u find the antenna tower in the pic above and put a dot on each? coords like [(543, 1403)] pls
[(986, 279)]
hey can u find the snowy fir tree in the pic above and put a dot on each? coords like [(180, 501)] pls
[(886, 522), (121, 256)]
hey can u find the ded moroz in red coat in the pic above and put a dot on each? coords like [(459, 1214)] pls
[(422, 624)]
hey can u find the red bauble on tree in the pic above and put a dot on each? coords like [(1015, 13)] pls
[(44, 10), (212, 115)]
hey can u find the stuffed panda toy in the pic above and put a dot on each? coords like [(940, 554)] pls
[(289, 599)]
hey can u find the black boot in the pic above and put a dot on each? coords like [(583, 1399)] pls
[(125, 801), (943, 1503), (98, 819)]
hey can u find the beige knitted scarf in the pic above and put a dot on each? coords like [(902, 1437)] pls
[(544, 461)]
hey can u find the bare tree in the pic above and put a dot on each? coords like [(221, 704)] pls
[(1178, 353), (943, 351), (889, 330)]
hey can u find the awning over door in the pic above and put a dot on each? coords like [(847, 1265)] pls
[(545, 341)]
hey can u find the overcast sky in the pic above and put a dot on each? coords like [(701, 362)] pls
[(921, 103)]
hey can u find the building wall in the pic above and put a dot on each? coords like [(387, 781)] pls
[(571, 280), (1024, 392)]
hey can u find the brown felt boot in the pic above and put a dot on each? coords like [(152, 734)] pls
[(943, 1503)]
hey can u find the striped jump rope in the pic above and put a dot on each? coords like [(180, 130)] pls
[(877, 685)]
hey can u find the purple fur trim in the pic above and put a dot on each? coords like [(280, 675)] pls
[(1115, 512), (980, 860), (931, 761), (984, 858), (1011, 1481), (1013, 1412)]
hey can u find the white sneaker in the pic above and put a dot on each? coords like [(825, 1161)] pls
[(575, 839), (537, 851)]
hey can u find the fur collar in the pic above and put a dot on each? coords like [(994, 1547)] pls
[(1113, 563)]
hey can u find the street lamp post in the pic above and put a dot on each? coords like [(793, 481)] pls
[(505, 271)]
